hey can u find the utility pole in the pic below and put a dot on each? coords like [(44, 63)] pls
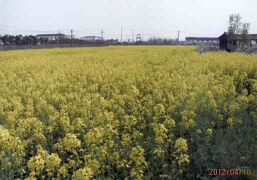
[(132, 36), (71, 36), (102, 35), (58, 37), (178, 36), (138, 38), (142, 36), (121, 35)]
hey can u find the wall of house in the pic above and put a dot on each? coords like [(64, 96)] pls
[(51, 38), (202, 41), (254, 42)]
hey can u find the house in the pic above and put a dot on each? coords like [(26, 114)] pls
[(224, 44), (1, 42), (253, 39), (51, 37), (202, 40), (91, 38), (68, 36)]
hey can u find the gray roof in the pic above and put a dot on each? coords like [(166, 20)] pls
[(92, 36), (251, 36), (202, 38), (51, 35)]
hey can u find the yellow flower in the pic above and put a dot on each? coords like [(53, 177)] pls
[(183, 158), (63, 171), (113, 106), (164, 176), (169, 123), (180, 145), (230, 122), (159, 152), (52, 161), (242, 158), (94, 136), (209, 132), (36, 164), (134, 90), (198, 131), (159, 109), (93, 164), (191, 123), (71, 142), (160, 132), (30, 178), (72, 164), (137, 154), (83, 174)]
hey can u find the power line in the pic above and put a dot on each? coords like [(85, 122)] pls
[(15, 28)]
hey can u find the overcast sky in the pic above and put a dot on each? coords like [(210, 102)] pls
[(159, 18)]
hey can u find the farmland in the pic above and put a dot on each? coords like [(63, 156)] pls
[(135, 112)]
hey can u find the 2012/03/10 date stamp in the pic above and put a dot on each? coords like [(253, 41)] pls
[(230, 172)]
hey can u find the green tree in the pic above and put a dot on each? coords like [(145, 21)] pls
[(245, 35), (236, 28)]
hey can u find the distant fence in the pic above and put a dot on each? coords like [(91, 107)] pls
[(42, 46), (16, 47)]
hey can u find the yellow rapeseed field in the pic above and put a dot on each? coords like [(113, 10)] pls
[(128, 112)]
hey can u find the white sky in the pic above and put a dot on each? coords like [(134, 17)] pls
[(159, 18)]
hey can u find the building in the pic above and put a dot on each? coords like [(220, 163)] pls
[(253, 39), (1, 42), (91, 38), (68, 36), (201, 40), (224, 44), (51, 37)]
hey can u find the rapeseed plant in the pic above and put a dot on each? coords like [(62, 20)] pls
[(130, 112)]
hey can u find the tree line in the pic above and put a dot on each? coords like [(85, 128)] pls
[(19, 40), (34, 40)]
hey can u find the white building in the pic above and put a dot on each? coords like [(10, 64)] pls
[(254, 42), (253, 39), (68, 36), (202, 40), (51, 37), (91, 38)]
